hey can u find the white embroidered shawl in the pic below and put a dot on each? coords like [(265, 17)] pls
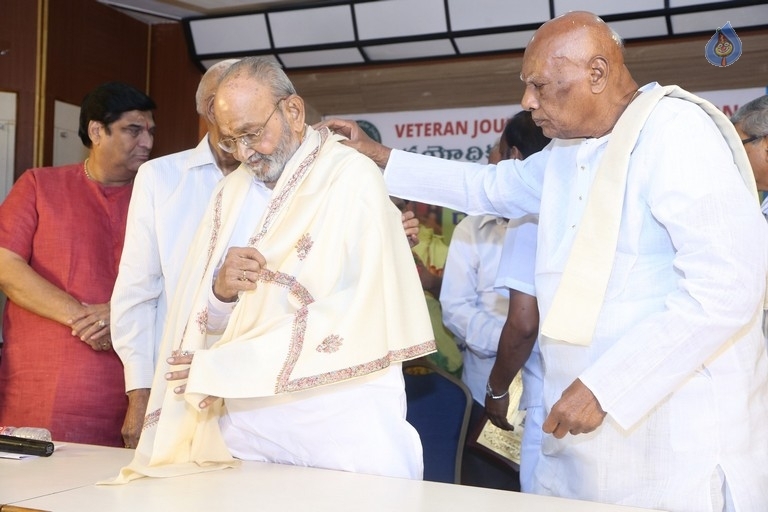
[(339, 298)]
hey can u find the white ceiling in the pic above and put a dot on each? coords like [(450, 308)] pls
[(491, 80), (163, 11)]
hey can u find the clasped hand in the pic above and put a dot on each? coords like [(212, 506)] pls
[(91, 325), (577, 412), (238, 273)]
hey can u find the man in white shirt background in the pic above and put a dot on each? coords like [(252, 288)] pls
[(473, 309), (751, 122), (169, 198)]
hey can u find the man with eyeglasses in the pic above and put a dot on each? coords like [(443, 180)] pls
[(751, 122), (287, 334), (169, 199)]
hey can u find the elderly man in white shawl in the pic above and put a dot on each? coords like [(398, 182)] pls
[(651, 270), (287, 335)]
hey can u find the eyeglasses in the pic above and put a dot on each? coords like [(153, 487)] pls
[(247, 140), (751, 139)]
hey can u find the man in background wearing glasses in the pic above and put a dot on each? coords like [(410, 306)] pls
[(299, 316), (751, 122)]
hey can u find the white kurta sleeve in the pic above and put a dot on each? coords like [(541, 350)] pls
[(510, 189), (138, 287), (710, 284), (218, 311)]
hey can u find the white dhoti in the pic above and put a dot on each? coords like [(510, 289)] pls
[(356, 426)]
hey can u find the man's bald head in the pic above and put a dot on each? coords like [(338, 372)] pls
[(578, 36), (207, 86), (576, 82), (206, 90)]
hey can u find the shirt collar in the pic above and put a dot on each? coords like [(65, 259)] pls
[(201, 155)]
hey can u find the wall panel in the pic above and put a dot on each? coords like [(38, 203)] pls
[(89, 44), (173, 79), (18, 34)]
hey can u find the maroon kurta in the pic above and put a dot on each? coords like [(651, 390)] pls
[(70, 230)]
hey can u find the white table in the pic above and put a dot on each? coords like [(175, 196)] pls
[(65, 482), (70, 466)]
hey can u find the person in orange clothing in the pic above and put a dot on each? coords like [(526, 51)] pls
[(61, 237)]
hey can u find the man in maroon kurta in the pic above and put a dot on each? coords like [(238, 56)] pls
[(61, 236)]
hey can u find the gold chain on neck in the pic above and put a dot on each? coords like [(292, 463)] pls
[(85, 168)]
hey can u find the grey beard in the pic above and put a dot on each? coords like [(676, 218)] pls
[(272, 166)]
